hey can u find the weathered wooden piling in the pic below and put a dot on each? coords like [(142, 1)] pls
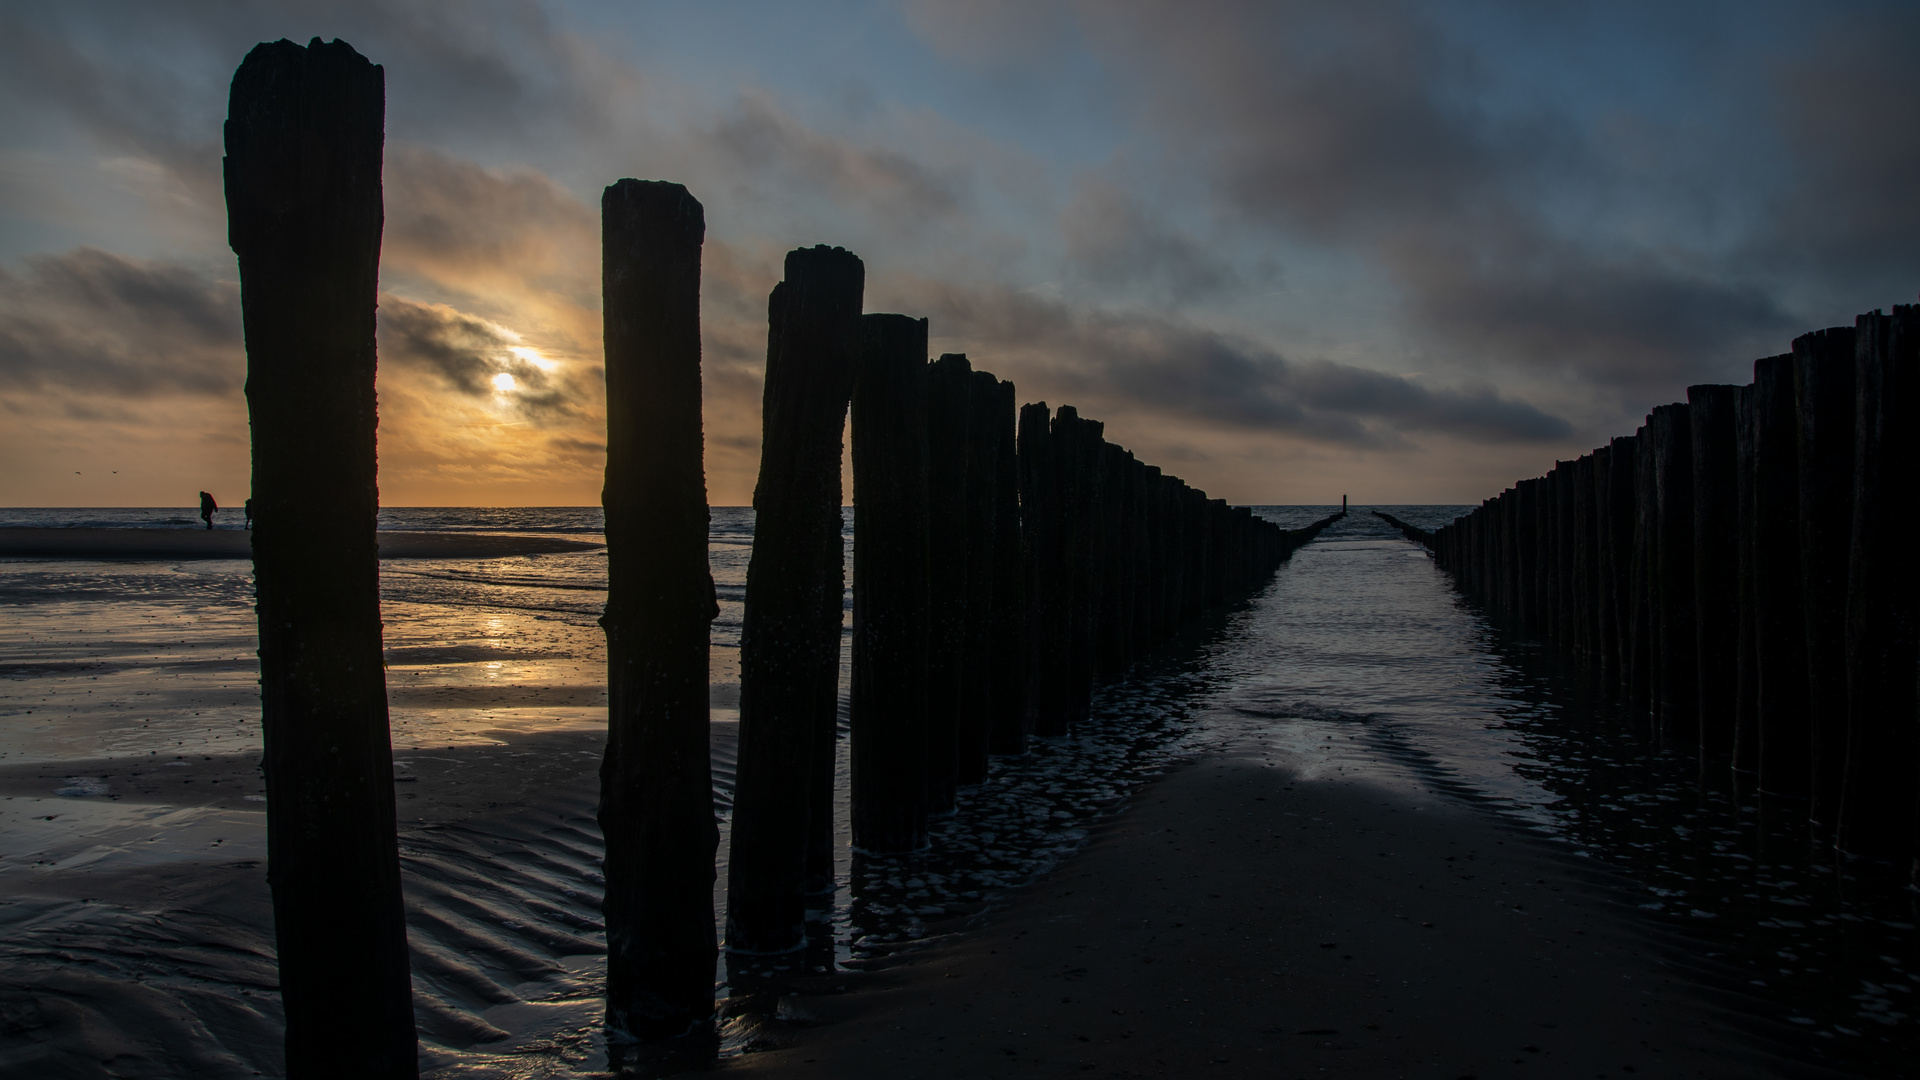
[(1521, 531), (978, 695), (1823, 368), (789, 651), (1746, 702), (1621, 511), (1142, 483), (303, 144), (1045, 572), (1582, 551), (949, 397), (1009, 725), (1716, 563), (656, 787), (1675, 669), (1153, 498), (1877, 814), (1780, 621), (1643, 625), (1076, 442), (888, 703), (1606, 637)]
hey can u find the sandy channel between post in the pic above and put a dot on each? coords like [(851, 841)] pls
[(1240, 920), (24, 543)]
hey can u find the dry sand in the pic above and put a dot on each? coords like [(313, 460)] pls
[(237, 544), (1240, 920)]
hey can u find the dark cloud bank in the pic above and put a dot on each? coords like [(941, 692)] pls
[(1159, 364)]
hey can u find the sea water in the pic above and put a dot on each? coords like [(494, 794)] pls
[(1358, 656)]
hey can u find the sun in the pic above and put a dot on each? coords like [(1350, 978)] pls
[(503, 383)]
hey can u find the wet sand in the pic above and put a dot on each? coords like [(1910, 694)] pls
[(1243, 920), (237, 544), (136, 925)]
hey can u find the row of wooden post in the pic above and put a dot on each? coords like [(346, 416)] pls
[(999, 574), (1734, 569), (1001, 569)]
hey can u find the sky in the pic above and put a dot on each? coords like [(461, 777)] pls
[(1408, 252)]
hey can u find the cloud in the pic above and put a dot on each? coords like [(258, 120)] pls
[(1112, 240), (469, 355), (472, 228), (1589, 237), (89, 320), (1844, 102), (758, 137), (1175, 369)]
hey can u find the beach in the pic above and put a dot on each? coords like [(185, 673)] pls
[(1244, 919), (237, 544), (1229, 869)]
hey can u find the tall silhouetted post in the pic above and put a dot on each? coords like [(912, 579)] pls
[(1780, 634), (979, 695), (1075, 447), (1746, 702), (789, 652), (1606, 643), (1642, 632), (1009, 724), (1673, 598), (1823, 364), (1716, 562), (949, 398), (1622, 469), (1883, 603), (656, 786), (1046, 619), (888, 708), (303, 140)]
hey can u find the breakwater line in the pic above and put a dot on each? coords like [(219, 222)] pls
[(1731, 573)]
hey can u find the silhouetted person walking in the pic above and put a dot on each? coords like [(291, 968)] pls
[(207, 507), (247, 510)]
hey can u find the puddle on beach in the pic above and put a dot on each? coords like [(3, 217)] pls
[(1358, 661)]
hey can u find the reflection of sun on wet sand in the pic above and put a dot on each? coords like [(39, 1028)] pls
[(235, 544)]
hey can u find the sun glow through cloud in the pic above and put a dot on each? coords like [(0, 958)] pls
[(532, 356), (503, 383)]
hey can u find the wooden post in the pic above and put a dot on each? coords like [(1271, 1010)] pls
[(1141, 487), (1823, 364), (1883, 601), (977, 691), (1076, 441), (1567, 608), (1606, 639), (656, 787), (1581, 546), (949, 400), (1008, 734), (789, 655), (822, 843), (1641, 698), (1673, 599), (1525, 590), (1110, 623), (303, 144), (888, 707), (1040, 518), (1157, 548), (1622, 469), (1746, 705), (1780, 628), (1716, 562)]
